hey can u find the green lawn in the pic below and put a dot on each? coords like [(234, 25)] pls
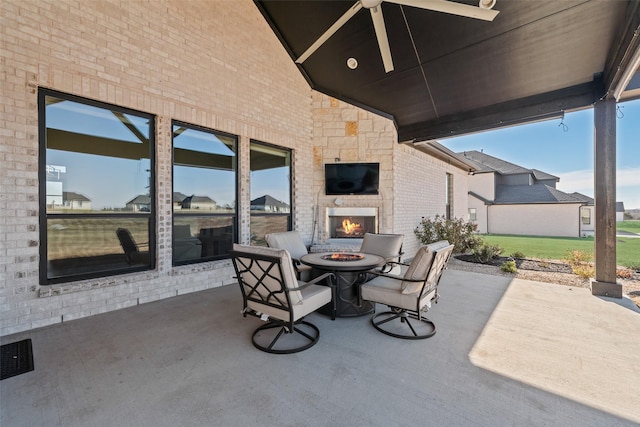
[(630, 226), (627, 249)]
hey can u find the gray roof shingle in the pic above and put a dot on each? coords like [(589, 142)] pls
[(537, 193)]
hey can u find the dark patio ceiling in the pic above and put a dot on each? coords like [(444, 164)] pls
[(456, 75)]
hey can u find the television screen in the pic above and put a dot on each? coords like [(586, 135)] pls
[(351, 178)]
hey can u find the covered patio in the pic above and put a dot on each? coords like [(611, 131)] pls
[(507, 352)]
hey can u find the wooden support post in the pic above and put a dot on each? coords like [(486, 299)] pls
[(605, 200)]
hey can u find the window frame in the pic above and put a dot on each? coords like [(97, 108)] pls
[(582, 217), (291, 203), (473, 214), (44, 216), (236, 213)]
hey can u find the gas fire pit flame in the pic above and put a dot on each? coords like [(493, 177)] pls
[(343, 256)]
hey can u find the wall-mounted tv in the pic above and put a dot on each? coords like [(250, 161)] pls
[(351, 178)]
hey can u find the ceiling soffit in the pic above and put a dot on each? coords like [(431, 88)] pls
[(456, 75)]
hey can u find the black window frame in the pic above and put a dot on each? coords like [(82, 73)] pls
[(44, 216), (291, 202), (236, 212)]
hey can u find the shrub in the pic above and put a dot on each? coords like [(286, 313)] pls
[(484, 253), (509, 266), (581, 264), (517, 255), (624, 273), (461, 234)]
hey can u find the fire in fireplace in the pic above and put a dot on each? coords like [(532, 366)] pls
[(351, 223)]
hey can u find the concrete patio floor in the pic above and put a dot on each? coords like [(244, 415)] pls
[(507, 352)]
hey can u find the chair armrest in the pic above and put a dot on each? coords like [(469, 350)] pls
[(313, 282)]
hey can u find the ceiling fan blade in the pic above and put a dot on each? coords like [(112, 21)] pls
[(383, 40), (450, 7), (332, 29)]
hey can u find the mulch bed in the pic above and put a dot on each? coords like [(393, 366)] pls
[(525, 264)]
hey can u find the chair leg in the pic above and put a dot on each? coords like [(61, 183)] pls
[(274, 337), (407, 326)]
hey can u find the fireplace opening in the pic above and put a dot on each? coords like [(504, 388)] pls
[(351, 223)]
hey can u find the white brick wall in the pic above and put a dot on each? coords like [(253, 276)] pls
[(420, 187), (195, 61)]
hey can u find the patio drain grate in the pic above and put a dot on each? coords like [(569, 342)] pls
[(15, 359)]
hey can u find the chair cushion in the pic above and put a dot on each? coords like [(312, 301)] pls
[(289, 240), (384, 245), (420, 266), (386, 290), (288, 272)]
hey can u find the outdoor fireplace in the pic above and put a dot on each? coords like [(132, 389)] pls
[(351, 223)]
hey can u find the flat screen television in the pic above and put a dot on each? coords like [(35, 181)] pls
[(351, 178)]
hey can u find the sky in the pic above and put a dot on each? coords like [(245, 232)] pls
[(564, 148)]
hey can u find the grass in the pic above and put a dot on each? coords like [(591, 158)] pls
[(627, 249), (629, 226)]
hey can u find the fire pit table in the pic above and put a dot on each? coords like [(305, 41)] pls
[(348, 268)]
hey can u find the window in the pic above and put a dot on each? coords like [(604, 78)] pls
[(585, 215), (204, 193), (473, 214), (270, 191), (449, 197), (96, 189)]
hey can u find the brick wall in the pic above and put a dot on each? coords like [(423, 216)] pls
[(420, 187), (195, 61)]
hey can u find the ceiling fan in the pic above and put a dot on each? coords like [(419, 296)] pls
[(483, 11)]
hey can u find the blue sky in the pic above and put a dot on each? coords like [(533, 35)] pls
[(564, 148)]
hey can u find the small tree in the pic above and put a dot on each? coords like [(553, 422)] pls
[(462, 234)]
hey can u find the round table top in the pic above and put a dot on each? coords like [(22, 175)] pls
[(367, 262)]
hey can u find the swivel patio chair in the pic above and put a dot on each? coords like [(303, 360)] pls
[(291, 241), (410, 295), (388, 246), (271, 292)]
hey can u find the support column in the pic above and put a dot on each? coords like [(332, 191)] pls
[(605, 200)]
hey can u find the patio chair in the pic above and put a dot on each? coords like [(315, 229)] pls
[(291, 241), (409, 295), (131, 249), (271, 292), (388, 246)]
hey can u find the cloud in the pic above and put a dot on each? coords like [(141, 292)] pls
[(627, 184)]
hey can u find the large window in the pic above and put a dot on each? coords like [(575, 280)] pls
[(96, 189), (270, 191), (204, 193)]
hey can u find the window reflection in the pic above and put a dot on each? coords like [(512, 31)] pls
[(97, 159), (204, 193), (270, 191), (95, 181)]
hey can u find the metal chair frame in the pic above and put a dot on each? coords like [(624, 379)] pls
[(278, 330), (405, 316)]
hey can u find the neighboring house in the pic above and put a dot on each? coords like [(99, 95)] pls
[(178, 198), (267, 203), (619, 211), (199, 202), (587, 214), (505, 198), (141, 203), (72, 200)]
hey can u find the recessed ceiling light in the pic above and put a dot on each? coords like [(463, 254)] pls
[(352, 63)]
